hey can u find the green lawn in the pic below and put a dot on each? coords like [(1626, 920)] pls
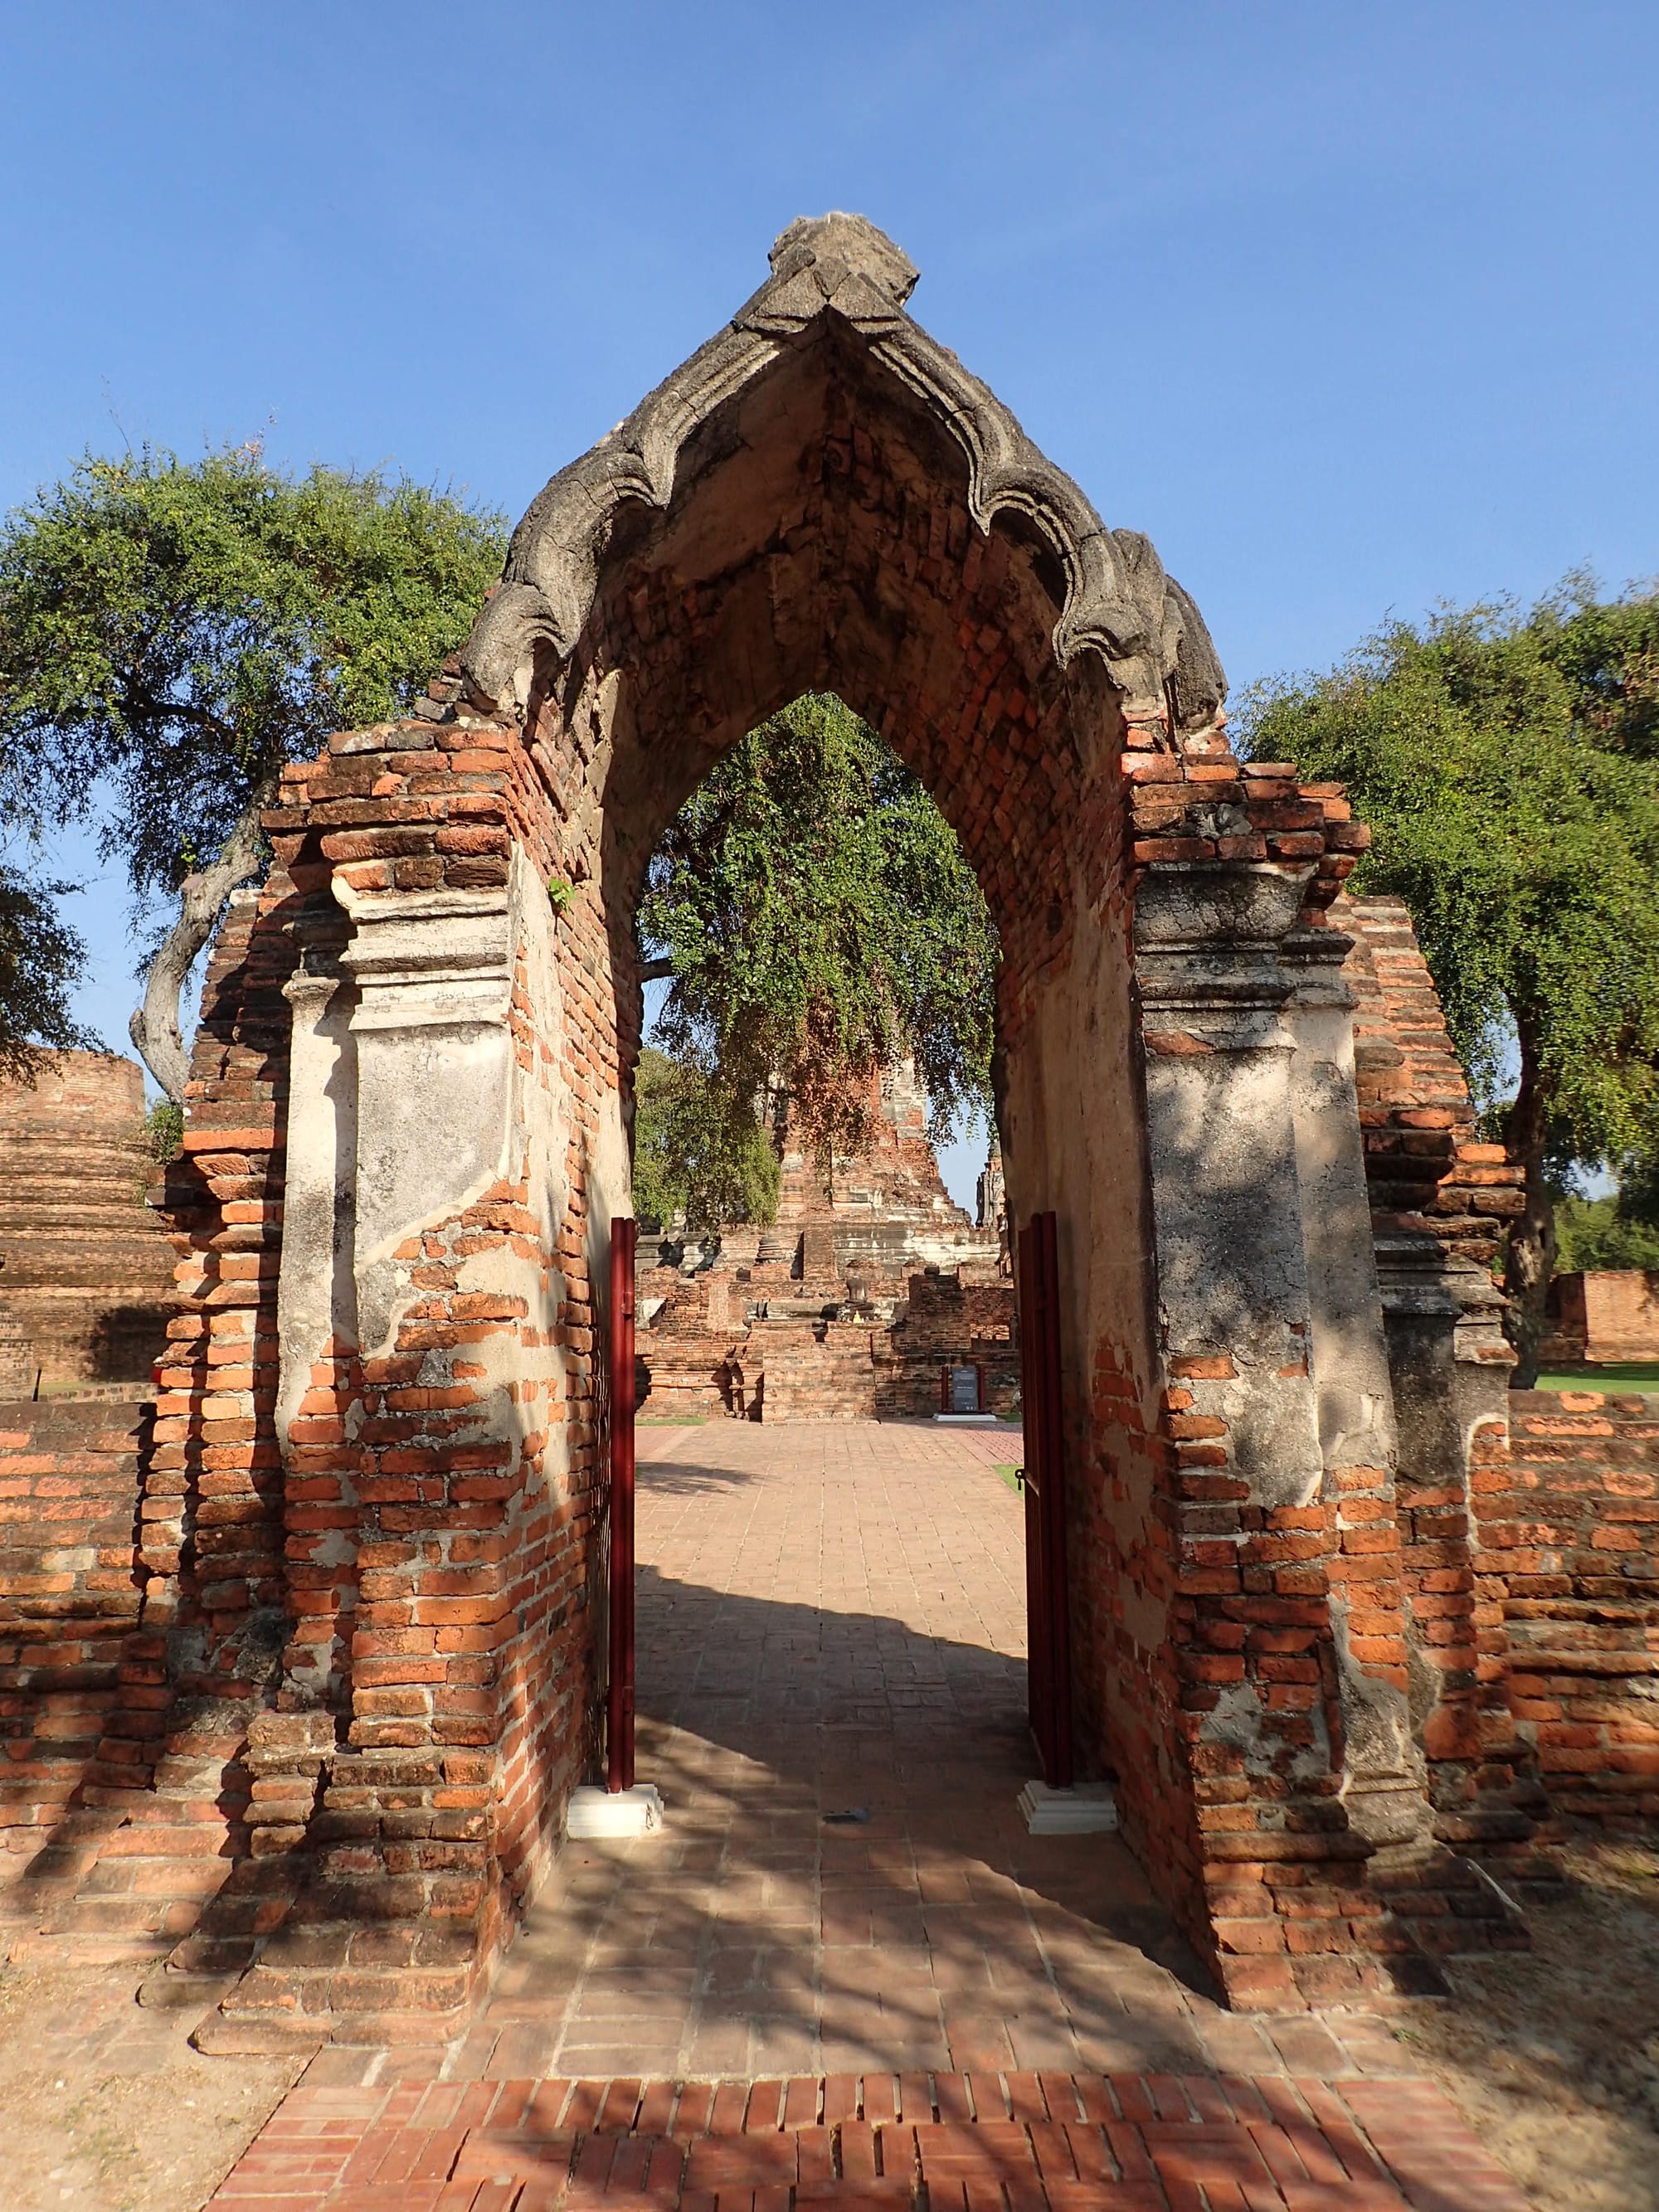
[(1632, 1375), (1013, 1476)]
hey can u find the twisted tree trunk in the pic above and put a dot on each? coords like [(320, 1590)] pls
[(155, 1026)]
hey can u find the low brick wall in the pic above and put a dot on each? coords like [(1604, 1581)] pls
[(946, 1322), (69, 1592), (1566, 1535), (1609, 1313), (88, 1271), (700, 1353)]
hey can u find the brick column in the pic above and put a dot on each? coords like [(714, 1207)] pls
[(1384, 1780), (417, 1300), (1298, 1750)]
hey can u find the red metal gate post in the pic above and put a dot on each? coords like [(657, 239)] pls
[(1054, 1513), (1037, 1633), (619, 1728), (1046, 1590)]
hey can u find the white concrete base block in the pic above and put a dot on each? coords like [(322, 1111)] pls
[(965, 1420), (1088, 1810), (594, 1812)]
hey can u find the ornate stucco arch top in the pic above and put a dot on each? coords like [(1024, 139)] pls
[(1119, 601)]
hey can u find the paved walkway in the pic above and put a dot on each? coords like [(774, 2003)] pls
[(831, 1680), (980, 2142), (845, 1908)]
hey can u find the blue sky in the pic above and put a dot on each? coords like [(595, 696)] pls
[(1350, 307)]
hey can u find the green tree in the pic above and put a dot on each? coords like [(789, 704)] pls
[(1508, 767), (1602, 1232), (40, 956), (700, 1151), (171, 632), (816, 918)]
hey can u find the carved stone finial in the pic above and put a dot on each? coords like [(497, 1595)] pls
[(847, 260)]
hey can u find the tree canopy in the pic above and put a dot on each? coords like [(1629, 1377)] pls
[(697, 1156), (816, 917), (1606, 1231), (1508, 766), (40, 956), (171, 632)]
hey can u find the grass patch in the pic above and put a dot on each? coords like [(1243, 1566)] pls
[(671, 1421), (1013, 1476), (1628, 1375)]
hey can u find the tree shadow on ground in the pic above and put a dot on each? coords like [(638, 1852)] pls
[(760, 1934), (669, 1479), (862, 1712), (924, 1928)]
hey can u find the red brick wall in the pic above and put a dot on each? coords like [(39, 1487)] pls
[(1427, 1167), (797, 1369), (69, 1594), (1566, 1556), (459, 1616), (1604, 1313), (212, 1541), (1432, 1177)]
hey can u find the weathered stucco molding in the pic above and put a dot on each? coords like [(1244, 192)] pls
[(315, 1298), (1232, 1276), (400, 1110), (1119, 601), (433, 977), (1266, 1276)]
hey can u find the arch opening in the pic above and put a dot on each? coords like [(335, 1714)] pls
[(820, 536)]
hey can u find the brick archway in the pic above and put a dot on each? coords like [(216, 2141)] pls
[(422, 1031)]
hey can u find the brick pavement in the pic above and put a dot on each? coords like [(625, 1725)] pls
[(831, 1622), (975, 2142)]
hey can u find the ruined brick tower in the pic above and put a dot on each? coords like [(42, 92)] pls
[(88, 1275)]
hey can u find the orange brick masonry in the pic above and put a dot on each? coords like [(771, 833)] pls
[(769, 2007)]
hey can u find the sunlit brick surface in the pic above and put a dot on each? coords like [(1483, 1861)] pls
[(977, 2143), (831, 1620), (762, 2007)]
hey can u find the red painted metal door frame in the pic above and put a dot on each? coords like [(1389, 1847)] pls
[(619, 1713), (1047, 1595)]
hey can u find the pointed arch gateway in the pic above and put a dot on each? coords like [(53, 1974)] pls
[(441, 971)]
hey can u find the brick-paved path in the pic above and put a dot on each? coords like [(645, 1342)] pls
[(951, 2143), (830, 1620)]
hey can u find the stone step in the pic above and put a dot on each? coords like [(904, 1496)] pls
[(113, 1917), (230, 1933), (149, 1877), (165, 1990), (225, 2035), (87, 1948), (209, 1837)]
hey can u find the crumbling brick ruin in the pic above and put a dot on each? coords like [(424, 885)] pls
[(370, 1511), (1605, 1314), (88, 1277), (870, 1292)]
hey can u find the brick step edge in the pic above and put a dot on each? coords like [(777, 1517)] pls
[(228, 2033), (87, 1948), (830, 2139)]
